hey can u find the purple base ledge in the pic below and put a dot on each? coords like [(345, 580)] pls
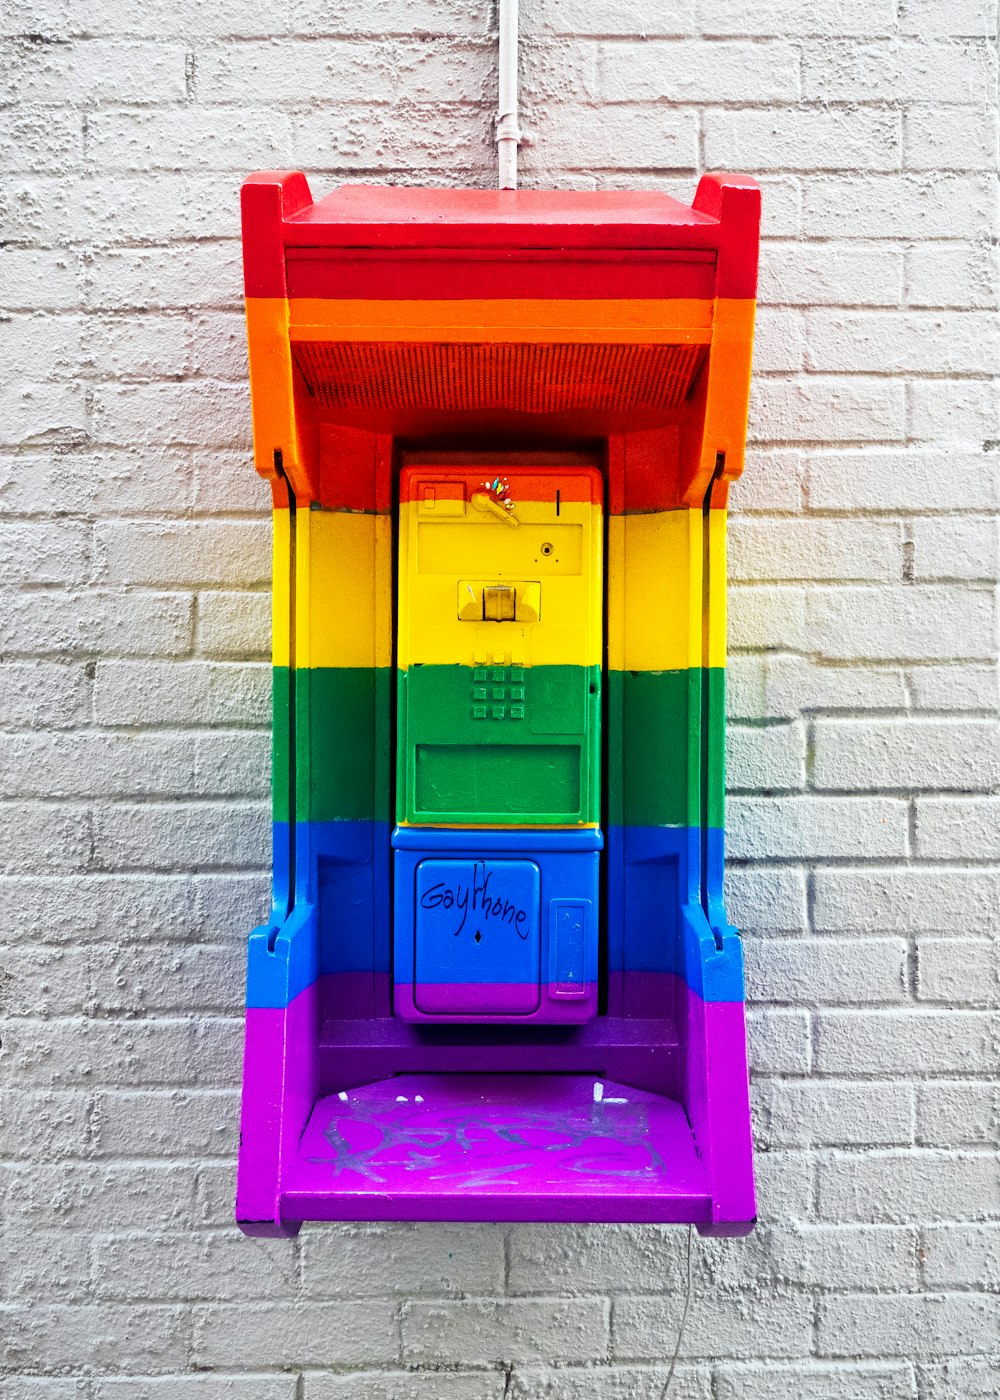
[(518, 1136)]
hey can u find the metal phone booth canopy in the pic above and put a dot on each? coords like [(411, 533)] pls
[(498, 982)]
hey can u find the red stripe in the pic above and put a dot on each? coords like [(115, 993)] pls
[(472, 274)]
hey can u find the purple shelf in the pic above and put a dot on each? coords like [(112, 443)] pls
[(497, 1147)]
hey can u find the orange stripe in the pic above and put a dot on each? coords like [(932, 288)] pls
[(674, 321)]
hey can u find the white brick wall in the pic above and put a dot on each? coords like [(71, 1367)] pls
[(134, 692)]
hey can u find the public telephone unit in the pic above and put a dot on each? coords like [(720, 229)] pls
[(497, 981), (498, 792)]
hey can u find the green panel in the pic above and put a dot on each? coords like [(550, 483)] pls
[(519, 780), (654, 747), (715, 746), (342, 743), (280, 742), (496, 745)]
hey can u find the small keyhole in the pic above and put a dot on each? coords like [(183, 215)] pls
[(547, 548), (479, 936)]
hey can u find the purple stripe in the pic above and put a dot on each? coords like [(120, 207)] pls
[(463, 1002)]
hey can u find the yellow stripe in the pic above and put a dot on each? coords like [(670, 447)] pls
[(436, 557), (670, 321), (716, 648), (654, 592), (280, 586), (345, 605)]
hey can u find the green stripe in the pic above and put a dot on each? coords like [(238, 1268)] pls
[(342, 757), (541, 769), (499, 745), (654, 747)]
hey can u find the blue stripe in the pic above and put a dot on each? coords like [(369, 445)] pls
[(657, 921)]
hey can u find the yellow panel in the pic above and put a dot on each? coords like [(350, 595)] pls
[(557, 555), (344, 603), (654, 591), (280, 588), (655, 321), (715, 639)]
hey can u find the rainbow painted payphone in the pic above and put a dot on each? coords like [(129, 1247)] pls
[(498, 982)]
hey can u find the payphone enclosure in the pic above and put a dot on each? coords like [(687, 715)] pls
[(498, 982)]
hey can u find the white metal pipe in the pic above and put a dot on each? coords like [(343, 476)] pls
[(508, 135)]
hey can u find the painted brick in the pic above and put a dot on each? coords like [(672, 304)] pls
[(165, 1123), (787, 1114), (146, 837), (234, 626), (763, 901), (772, 758), (794, 686), (909, 1326), (807, 827), (779, 1041), (485, 1332), (959, 971), (111, 483), (951, 274), (905, 901), (975, 18), (913, 70), (96, 70), (695, 71), (826, 970), (844, 274), (962, 411), (828, 409), (907, 1185), (795, 17), (163, 1052), (178, 1267), (925, 753), (36, 1123), (193, 1387), (207, 552), (95, 623), (41, 839), (802, 139), (772, 482), (369, 1260), (965, 1113), (893, 342), (46, 1266), (848, 1256), (962, 548), (57, 1337), (44, 694), (915, 623), (954, 828), (903, 1042), (181, 276), (872, 1381), (406, 1385), (309, 1334), (155, 692), (38, 279), (911, 481), (717, 1326), (955, 688), (894, 206), (789, 550), (960, 1255), (669, 137), (959, 1379), (766, 617), (966, 141), (609, 1383)]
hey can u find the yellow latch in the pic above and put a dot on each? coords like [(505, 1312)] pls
[(499, 602)]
